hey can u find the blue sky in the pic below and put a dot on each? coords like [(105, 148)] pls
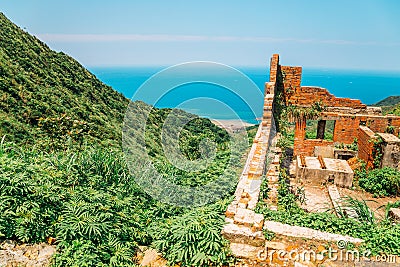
[(356, 34)]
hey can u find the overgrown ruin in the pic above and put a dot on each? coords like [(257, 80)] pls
[(318, 162), (352, 119)]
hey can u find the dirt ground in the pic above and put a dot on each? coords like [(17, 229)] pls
[(377, 205)]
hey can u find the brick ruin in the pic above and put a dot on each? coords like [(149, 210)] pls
[(352, 119), (244, 226)]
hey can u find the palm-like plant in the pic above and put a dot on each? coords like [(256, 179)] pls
[(193, 239)]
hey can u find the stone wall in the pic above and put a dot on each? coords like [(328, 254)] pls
[(391, 151), (35, 255), (244, 226)]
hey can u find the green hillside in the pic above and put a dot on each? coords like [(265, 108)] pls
[(390, 105), (394, 110), (388, 101), (84, 197), (36, 82)]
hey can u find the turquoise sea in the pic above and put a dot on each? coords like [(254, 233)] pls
[(368, 86)]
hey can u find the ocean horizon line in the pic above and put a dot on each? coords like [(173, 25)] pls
[(239, 67)]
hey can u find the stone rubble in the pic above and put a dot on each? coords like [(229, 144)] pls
[(36, 255)]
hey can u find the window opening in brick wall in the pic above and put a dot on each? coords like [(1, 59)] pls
[(322, 129)]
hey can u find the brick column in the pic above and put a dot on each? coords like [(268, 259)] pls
[(299, 136)]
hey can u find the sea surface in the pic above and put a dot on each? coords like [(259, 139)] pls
[(213, 102)]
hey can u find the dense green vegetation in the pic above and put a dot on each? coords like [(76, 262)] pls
[(86, 199), (393, 110), (63, 174), (194, 239), (390, 105), (89, 202), (36, 82), (381, 182)]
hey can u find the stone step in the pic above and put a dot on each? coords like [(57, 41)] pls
[(307, 233), (245, 251), (243, 235), (244, 217)]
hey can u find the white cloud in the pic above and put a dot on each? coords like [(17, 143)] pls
[(74, 38)]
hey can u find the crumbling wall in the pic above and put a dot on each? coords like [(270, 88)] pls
[(348, 113), (394, 121), (303, 146), (274, 68), (366, 145), (378, 124), (308, 95), (244, 225), (390, 150), (291, 81), (346, 129)]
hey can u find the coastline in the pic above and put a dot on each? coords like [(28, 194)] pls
[(232, 125)]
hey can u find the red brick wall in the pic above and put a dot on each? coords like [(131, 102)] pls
[(307, 95), (304, 146), (365, 146), (274, 66), (395, 122), (307, 147), (346, 129), (291, 78), (378, 125), (287, 79)]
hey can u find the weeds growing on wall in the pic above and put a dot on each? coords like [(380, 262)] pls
[(377, 152)]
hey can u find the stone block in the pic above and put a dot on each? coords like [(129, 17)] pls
[(241, 234), (242, 205), (258, 222), (244, 217), (324, 151), (231, 211), (337, 170), (394, 213), (244, 250)]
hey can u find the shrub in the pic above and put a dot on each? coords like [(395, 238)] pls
[(381, 182), (193, 239)]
